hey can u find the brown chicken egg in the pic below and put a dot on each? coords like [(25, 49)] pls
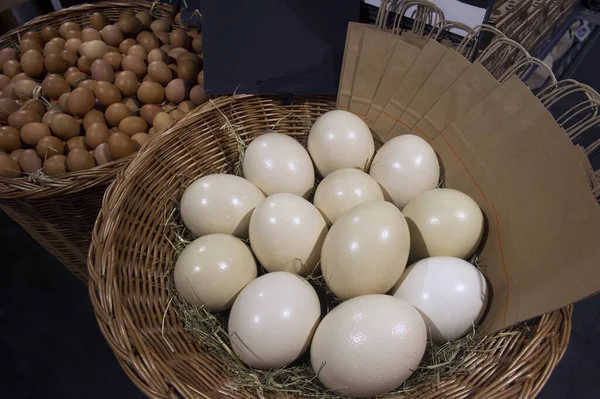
[(88, 34), (36, 106), (166, 48), (145, 17), (70, 57), (96, 134), (79, 159), (24, 89), (151, 93), (74, 79), (72, 34), (102, 70), (177, 91), (77, 142), (63, 102), (32, 35), (107, 93), (197, 44), (59, 41), (186, 106), (148, 41), (84, 64), (192, 57), (127, 83), (102, 154), (81, 101), (88, 83), (32, 132), (16, 154), (9, 91), (12, 68), (112, 35), (71, 70), (47, 118), (163, 38), (50, 145), (7, 107), (55, 63), (157, 55), (176, 52), (179, 38), (187, 70), (72, 45), (160, 72), (149, 111), (93, 116), (116, 112), (53, 47), (135, 65), (120, 145), (7, 54), (114, 59), (65, 126), (49, 33), (132, 104), (130, 26), (177, 114), (162, 121), (29, 161), (98, 21), (160, 25), (9, 138), (32, 63), (197, 94), (55, 165), (18, 119), (20, 76), (126, 45), (9, 167), (68, 26), (140, 139), (138, 51), (132, 125), (93, 50), (4, 80), (28, 44)]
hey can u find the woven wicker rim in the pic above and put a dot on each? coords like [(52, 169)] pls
[(72, 182), (129, 260)]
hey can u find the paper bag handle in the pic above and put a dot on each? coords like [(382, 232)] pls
[(384, 12), (527, 63), (471, 37), (494, 48), (575, 131), (445, 26), (426, 13)]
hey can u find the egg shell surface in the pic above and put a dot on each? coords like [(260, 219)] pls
[(213, 269), (366, 250), (343, 189), (405, 167), (368, 346), (276, 163), (287, 234), (339, 139), (450, 293), (443, 222), (220, 203), (273, 320)]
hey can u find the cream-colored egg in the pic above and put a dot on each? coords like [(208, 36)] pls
[(220, 203), (212, 270), (450, 293), (405, 167), (443, 222), (276, 163), (273, 320), (365, 251), (339, 139), (287, 233), (343, 189), (368, 346)]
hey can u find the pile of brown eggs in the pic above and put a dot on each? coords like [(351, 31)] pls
[(73, 98)]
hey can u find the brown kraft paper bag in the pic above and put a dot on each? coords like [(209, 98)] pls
[(419, 72), (354, 39), (540, 250)]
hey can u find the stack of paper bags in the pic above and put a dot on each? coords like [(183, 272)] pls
[(497, 143)]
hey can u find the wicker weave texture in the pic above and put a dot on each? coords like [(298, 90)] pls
[(60, 213), (130, 259)]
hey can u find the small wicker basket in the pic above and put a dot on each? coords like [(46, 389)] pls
[(130, 260), (60, 213)]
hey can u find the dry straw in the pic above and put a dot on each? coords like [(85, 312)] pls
[(170, 349)]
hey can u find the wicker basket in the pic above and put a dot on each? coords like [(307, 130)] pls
[(130, 259), (60, 214)]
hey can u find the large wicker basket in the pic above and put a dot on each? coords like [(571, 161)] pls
[(130, 259), (60, 213)]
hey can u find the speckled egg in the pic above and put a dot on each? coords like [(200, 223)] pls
[(368, 346)]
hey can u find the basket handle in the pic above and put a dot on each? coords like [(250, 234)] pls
[(424, 14), (527, 63)]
